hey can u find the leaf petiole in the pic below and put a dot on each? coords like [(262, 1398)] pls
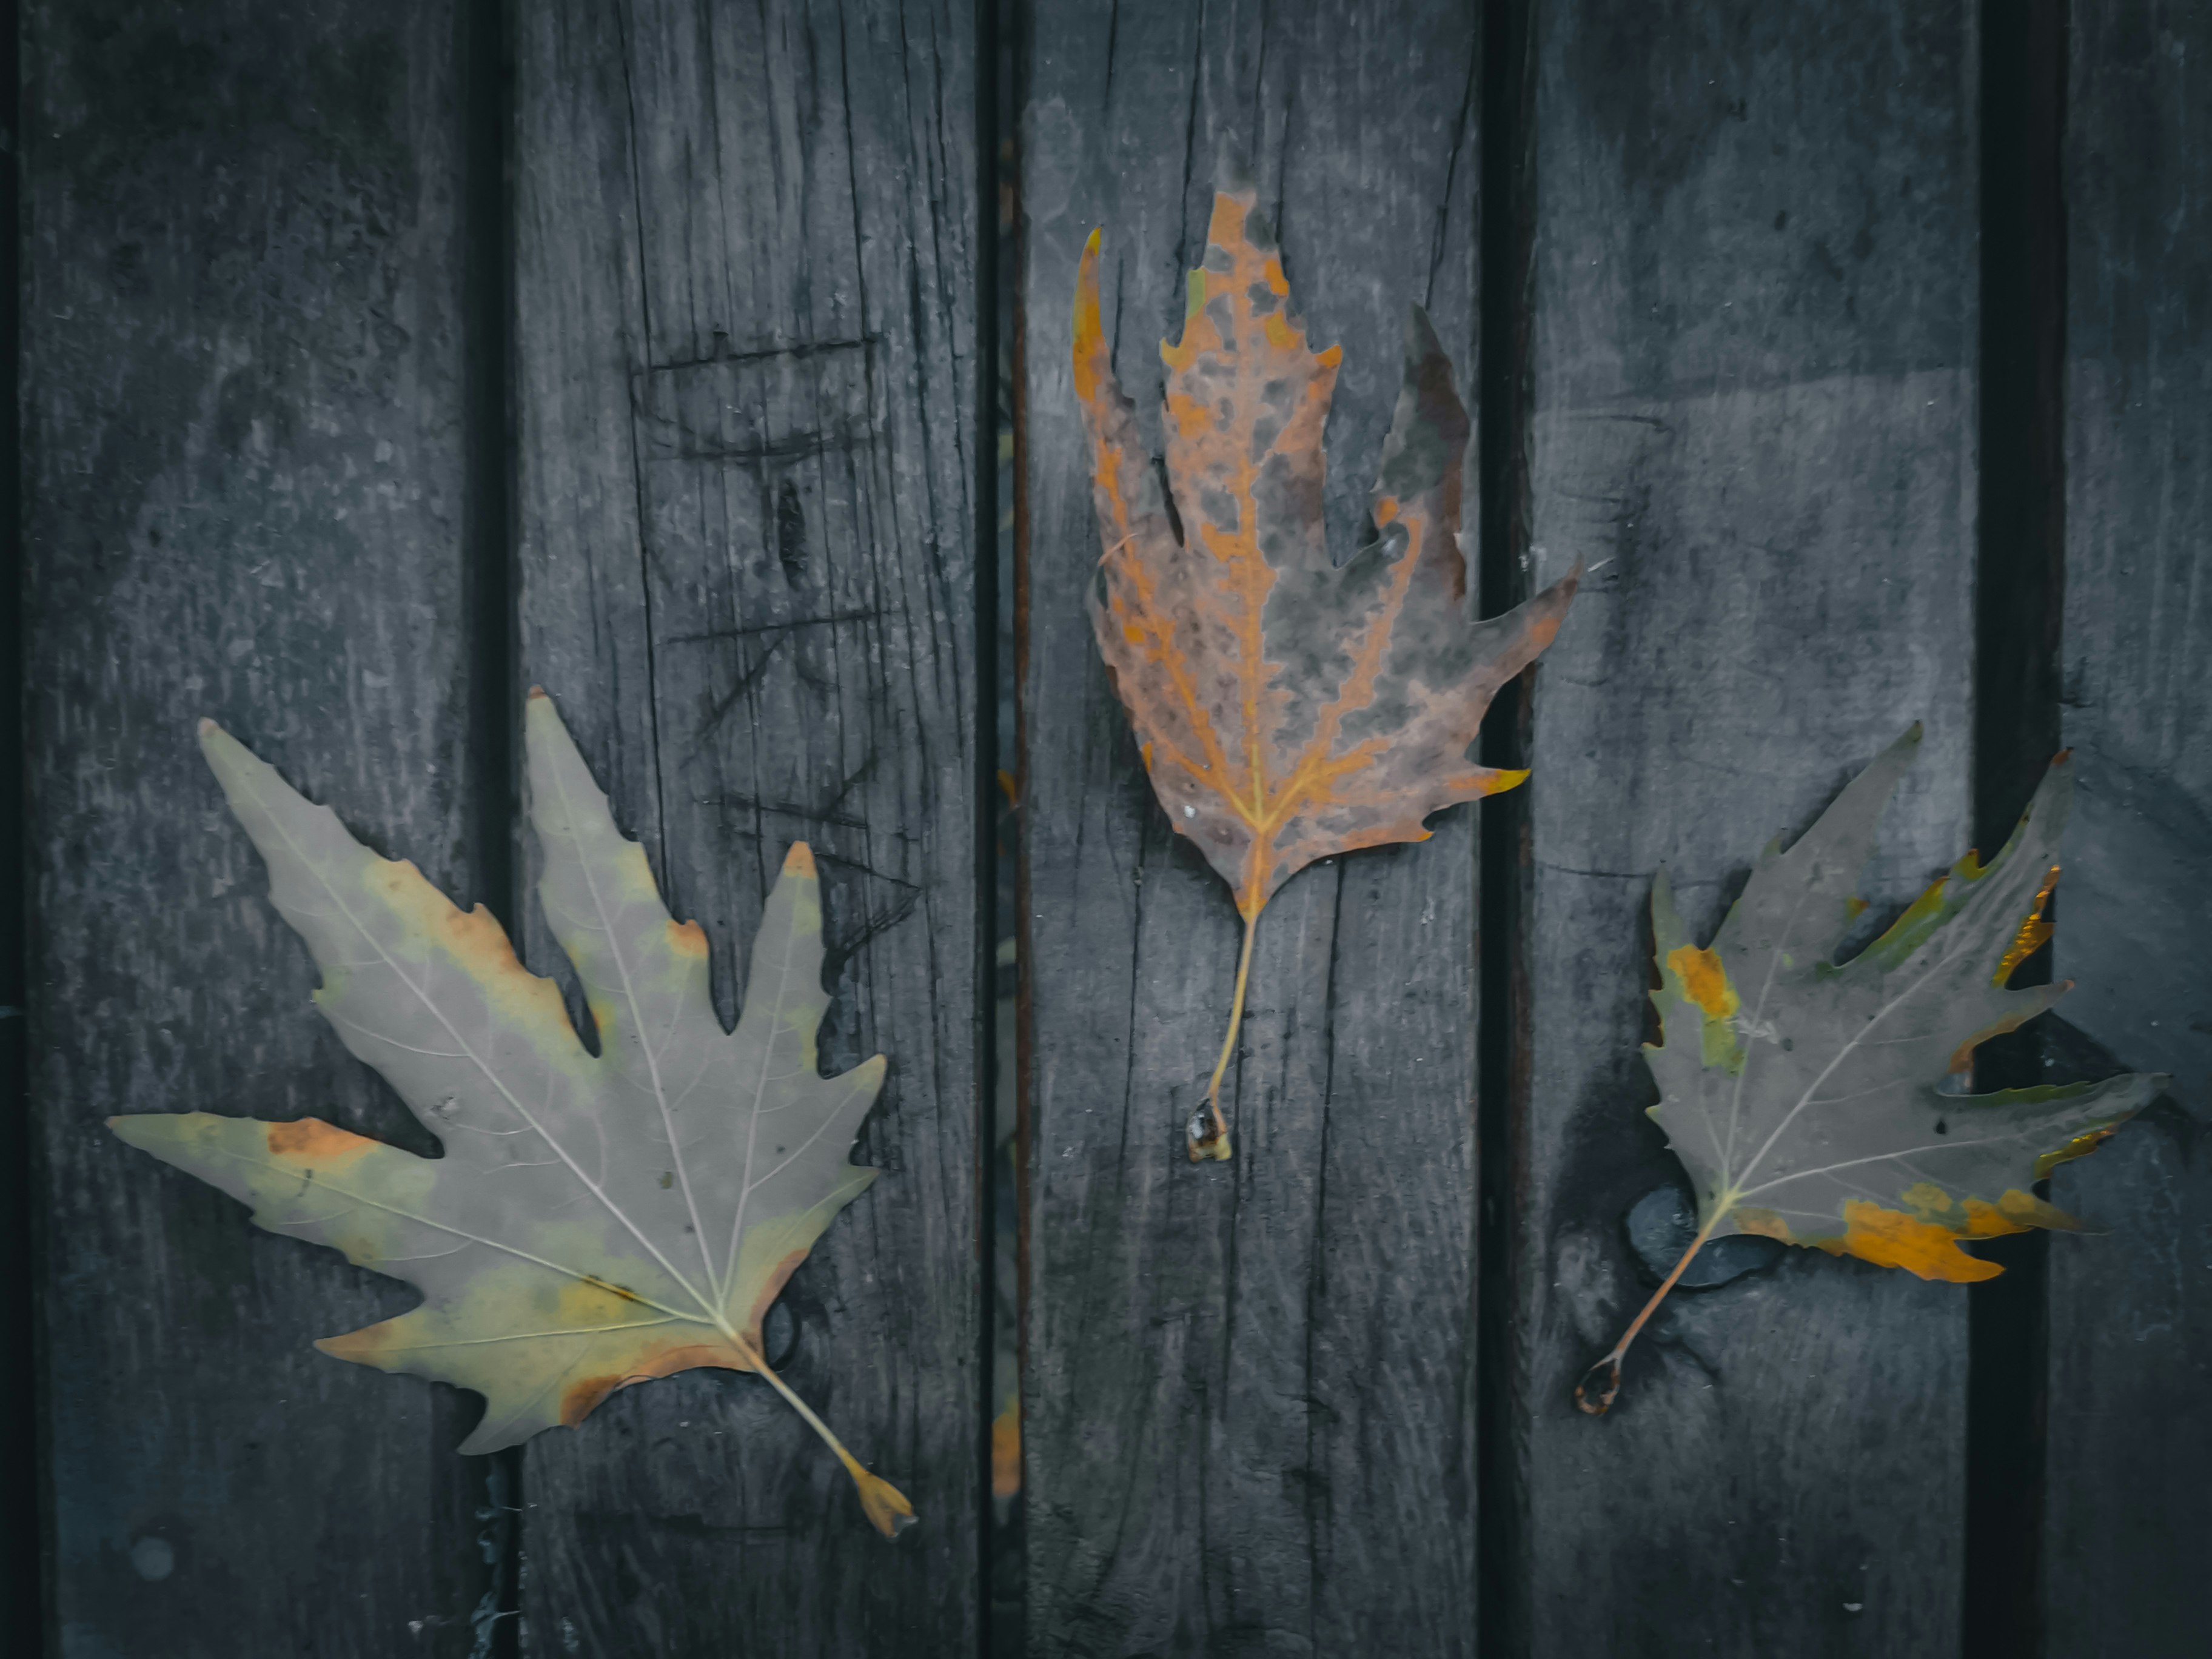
[(1610, 1364), (885, 1504), (1214, 1143)]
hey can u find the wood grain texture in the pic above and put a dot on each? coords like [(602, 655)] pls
[(1248, 1396), (746, 391), (1754, 328), (242, 384), (2131, 1313)]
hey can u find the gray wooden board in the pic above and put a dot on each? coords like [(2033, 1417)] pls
[(2130, 1435), (1249, 1390), (1754, 330), (242, 382), (746, 282)]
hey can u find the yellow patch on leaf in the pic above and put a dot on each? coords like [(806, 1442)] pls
[(2034, 932)]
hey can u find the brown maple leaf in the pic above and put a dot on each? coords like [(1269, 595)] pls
[(1288, 708)]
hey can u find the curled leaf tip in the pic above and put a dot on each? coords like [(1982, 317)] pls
[(1421, 341), (1597, 1404)]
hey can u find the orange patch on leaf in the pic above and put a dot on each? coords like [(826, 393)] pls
[(1890, 1238), (1704, 981), (313, 1140), (580, 1398), (2034, 932), (1987, 1220)]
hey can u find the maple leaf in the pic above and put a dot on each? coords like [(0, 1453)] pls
[(1824, 1103), (596, 1221), (1287, 708)]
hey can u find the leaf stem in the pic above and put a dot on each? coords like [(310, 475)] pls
[(885, 1504), (1610, 1364), (1214, 1143)]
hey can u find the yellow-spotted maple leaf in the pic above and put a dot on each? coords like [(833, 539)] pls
[(596, 1221), (1824, 1103), (1287, 708)]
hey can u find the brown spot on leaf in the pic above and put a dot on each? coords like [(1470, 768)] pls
[(580, 1398)]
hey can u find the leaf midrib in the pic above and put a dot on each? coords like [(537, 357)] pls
[(493, 1077), (644, 1045), (1733, 1191)]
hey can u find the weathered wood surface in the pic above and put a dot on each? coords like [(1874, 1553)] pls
[(241, 385), (1248, 1393), (2130, 1434), (744, 285), (1754, 333), (746, 391)]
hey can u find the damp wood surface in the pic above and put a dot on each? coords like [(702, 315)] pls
[(1754, 336), (746, 403), (2130, 1312), (1248, 1391), (242, 375)]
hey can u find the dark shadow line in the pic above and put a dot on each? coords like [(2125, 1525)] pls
[(2020, 592), (1507, 178), (23, 1597), (1015, 47), (798, 352), (987, 95), (493, 589)]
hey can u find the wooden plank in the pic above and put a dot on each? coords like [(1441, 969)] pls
[(1754, 327), (242, 384), (2130, 1325), (1248, 1397), (746, 290)]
